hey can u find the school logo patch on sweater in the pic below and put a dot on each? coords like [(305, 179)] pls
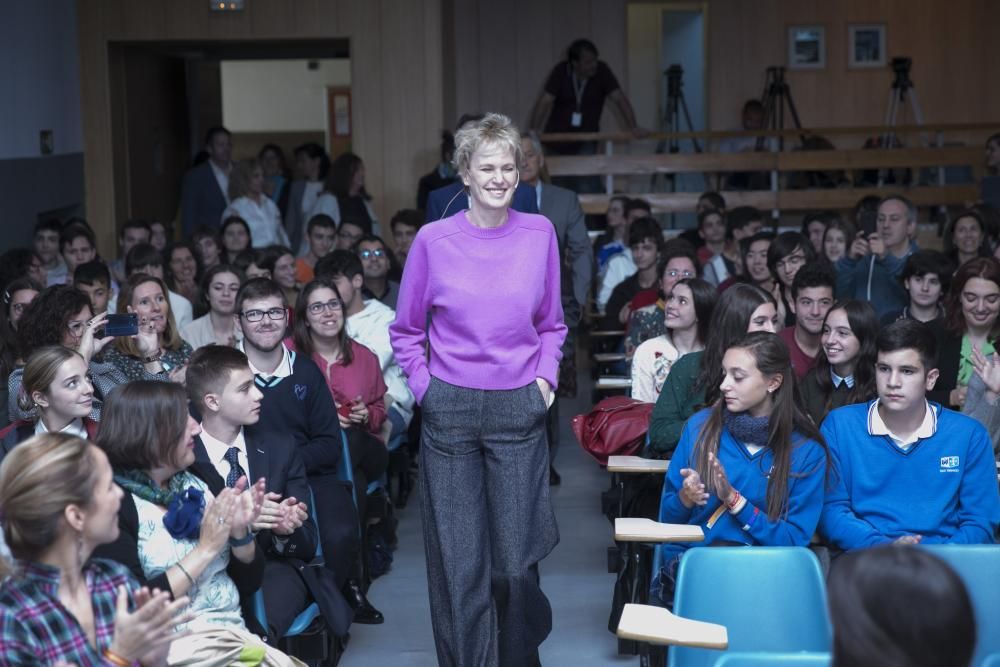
[(949, 464)]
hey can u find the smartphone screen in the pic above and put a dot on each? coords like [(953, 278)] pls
[(122, 324), (869, 220)]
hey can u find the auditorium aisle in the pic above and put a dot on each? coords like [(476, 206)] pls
[(574, 576)]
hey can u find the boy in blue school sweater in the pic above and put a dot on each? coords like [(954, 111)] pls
[(907, 470)]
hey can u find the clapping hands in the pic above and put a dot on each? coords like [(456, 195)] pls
[(282, 517)]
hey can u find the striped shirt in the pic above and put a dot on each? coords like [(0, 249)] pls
[(35, 627)]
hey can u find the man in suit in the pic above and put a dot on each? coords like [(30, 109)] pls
[(221, 387), (205, 190), (562, 208)]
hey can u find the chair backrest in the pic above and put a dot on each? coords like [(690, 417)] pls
[(771, 599), (992, 660), (979, 567), (345, 469), (778, 659)]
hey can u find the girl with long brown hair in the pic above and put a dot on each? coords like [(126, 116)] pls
[(751, 469)]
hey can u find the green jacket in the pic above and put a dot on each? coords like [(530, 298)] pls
[(678, 400)]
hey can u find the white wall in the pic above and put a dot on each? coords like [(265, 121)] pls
[(39, 77), (279, 95)]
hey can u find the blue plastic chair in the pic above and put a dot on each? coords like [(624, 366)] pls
[(992, 660), (776, 659), (979, 567), (771, 599)]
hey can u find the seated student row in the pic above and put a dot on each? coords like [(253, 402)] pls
[(752, 468)]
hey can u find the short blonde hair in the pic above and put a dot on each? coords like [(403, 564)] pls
[(239, 179), (493, 129)]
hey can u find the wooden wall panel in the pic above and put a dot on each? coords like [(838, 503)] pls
[(950, 42), (397, 105)]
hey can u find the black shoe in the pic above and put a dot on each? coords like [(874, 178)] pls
[(554, 478), (364, 612)]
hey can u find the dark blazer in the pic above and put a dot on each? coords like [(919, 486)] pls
[(202, 200), (949, 355), (294, 218), (450, 199), (16, 433), (277, 461), (562, 208)]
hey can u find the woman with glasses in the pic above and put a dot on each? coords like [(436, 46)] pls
[(61, 315), (677, 262), (157, 351), (218, 294), (352, 373)]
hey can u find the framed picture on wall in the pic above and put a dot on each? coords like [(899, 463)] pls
[(806, 47), (866, 45)]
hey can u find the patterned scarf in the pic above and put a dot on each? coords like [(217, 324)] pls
[(185, 506)]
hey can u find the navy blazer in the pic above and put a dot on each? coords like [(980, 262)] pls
[(202, 200), (450, 199), (277, 461)]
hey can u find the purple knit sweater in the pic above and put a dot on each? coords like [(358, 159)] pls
[(493, 298)]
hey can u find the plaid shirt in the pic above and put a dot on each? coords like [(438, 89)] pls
[(36, 629)]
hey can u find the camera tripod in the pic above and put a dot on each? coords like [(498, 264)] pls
[(901, 91), (671, 121), (776, 95)]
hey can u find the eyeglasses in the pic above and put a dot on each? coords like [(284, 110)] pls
[(258, 315), (368, 254), (332, 305), (673, 273)]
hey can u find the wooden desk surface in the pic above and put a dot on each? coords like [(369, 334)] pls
[(636, 464), (630, 529)]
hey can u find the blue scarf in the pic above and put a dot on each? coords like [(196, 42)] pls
[(748, 429)]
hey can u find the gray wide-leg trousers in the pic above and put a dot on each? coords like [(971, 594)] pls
[(487, 522)]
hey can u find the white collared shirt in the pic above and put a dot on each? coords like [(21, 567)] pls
[(222, 178), (877, 426), (837, 380), (216, 450), (283, 370), (75, 427)]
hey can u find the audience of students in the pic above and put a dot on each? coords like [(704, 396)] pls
[(377, 260), (741, 309), (788, 252), (752, 468), (844, 371), (218, 325), (686, 314), (320, 238), (235, 235), (645, 320), (926, 277), (812, 298), (908, 470)]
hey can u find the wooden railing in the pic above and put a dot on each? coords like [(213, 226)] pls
[(933, 191)]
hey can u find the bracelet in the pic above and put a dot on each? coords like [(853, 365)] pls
[(241, 541), (739, 502), (186, 574), (151, 359), (116, 659)]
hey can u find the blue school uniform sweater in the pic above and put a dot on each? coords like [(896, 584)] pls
[(748, 474), (943, 487)]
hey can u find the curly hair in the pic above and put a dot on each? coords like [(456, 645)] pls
[(44, 322)]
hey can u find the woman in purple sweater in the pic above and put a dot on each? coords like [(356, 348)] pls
[(482, 287)]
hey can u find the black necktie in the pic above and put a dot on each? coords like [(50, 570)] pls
[(235, 469)]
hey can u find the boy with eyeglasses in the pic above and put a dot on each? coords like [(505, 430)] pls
[(377, 264)]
